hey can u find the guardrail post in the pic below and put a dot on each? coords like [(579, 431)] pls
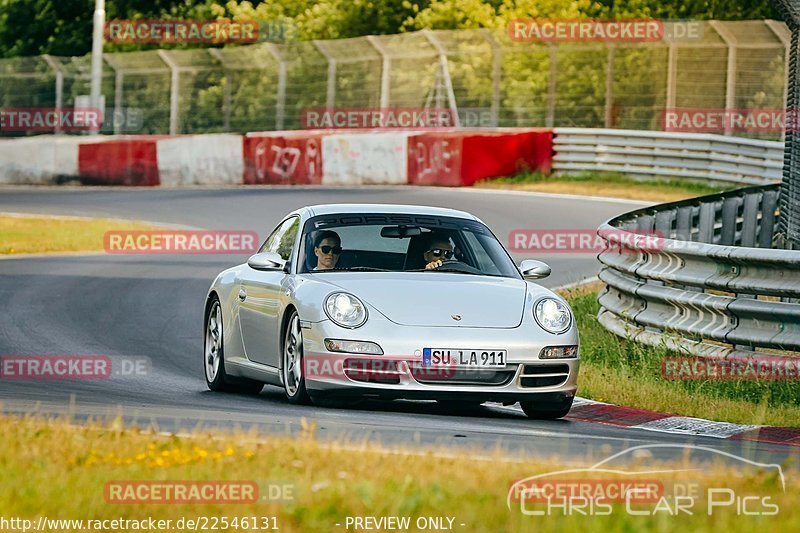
[(706, 223), (730, 212)]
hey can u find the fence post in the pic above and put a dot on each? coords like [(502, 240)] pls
[(174, 91), (785, 36), (550, 116), (330, 93), (497, 72), (609, 111), (448, 82), (280, 100), (730, 78), (386, 65), (53, 64), (119, 80), (672, 74), (226, 95)]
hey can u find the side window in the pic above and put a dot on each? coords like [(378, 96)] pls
[(485, 262), (281, 241)]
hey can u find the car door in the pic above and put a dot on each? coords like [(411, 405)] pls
[(260, 298)]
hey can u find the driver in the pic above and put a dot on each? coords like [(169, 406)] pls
[(439, 249), (327, 248)]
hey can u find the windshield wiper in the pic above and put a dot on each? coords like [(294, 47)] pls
[(456, 270)]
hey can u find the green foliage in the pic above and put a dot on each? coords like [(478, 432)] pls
[(64, 27)]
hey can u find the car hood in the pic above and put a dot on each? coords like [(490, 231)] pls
[(432, 299)]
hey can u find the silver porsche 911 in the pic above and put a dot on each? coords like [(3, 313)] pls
[(356, 301)]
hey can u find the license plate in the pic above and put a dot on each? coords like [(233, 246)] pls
[(463, 358)]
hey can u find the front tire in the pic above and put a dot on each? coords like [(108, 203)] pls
[(546, 410), (294, 382), (214, 357)]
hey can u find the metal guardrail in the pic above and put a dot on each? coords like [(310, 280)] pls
[(654, 154), (706, 280)]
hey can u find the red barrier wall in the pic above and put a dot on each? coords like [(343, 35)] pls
[(462, 158), (132, 162), (283, 158)]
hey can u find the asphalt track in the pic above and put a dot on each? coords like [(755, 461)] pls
[(151, 306)]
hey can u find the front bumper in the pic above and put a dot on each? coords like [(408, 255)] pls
[(399, 373)]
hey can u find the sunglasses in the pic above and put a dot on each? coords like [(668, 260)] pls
[(328, 249), (438, 252)]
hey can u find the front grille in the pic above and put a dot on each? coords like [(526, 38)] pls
[(460, 376), (537, 376), (372, 371)]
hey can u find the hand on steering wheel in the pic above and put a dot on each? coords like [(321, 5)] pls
[(433, 265)]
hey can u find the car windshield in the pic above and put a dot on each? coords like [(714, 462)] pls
[(402, 243)]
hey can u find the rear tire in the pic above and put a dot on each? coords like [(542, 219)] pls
[(214, 357), (546, 410)]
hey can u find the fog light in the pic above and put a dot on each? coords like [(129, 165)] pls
[(338, 345), (559, 352)]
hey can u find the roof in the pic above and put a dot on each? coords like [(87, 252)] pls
[(329, 209)]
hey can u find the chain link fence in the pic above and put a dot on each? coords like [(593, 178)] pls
[(489, 79)]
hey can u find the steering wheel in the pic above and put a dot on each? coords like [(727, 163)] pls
[(457, 265)]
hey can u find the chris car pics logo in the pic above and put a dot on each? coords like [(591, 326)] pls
[(649, 489)]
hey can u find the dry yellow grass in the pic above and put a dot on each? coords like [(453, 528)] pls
[(32, 234), (55, 470)]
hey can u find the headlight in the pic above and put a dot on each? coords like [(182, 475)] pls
[(345, 310), (553, 315)]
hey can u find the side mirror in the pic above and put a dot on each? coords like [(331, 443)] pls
[(532, 269), (266, 261)]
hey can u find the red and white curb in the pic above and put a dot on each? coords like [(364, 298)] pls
[(591, 411)]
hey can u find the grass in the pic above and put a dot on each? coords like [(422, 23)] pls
[(26, 234), (605, 184), (626, 373), (59, 471)]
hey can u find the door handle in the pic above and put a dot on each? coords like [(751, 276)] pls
[(242, 294)]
